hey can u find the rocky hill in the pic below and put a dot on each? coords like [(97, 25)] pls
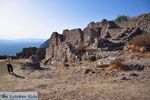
[(45, 44), (76, 44), (107, 60)]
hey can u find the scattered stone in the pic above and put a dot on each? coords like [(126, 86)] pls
[(126, 48), (134, 74), (93, 58), (66, 65), (131, 57), (87, 71), (144, 49), (31, 65), (123, 78)]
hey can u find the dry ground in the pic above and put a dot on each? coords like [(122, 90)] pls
[(54, 83)]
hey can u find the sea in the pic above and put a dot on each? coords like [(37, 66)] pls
[(11, 48)]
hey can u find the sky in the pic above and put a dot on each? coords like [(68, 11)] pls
[(21, 19)]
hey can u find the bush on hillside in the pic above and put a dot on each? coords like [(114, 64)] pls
[(122, 18)]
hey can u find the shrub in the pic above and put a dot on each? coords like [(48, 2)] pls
[(122, 18), (142, 40)]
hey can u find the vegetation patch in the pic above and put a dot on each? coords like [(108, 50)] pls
[(122, 18)]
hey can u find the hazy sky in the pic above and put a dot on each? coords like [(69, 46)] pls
[(39, 18)]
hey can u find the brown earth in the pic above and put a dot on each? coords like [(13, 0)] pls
[(71, 83)]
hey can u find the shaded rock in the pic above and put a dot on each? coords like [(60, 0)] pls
[(107, 35), (128, 34), (31, 65), (34, 59), (112, 24), (27, 52), (87, 71), (134, 74), (136, 66), (41, 52), (93, 58), (123, 78), (66, 65)]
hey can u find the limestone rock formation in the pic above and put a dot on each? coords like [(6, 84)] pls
[(72, 45)]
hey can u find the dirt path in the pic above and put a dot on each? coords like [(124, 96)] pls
[(70, 84)]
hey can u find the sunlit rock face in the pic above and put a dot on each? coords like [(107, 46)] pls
[(71, 45)]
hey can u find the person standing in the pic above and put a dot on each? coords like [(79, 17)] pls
[(9, 64)]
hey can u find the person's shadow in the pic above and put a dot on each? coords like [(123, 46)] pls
[(18, 76)]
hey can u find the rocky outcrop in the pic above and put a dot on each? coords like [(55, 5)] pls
[(72, 45), (28, 52)]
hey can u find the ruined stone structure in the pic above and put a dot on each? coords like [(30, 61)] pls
[(28, 52), (111, 35)]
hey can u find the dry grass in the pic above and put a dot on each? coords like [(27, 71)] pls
[(118, 64), (53, 85), (134, 48), (2, 62), (142, 40), (101, 66)]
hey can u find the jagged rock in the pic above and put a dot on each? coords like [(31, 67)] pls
[(107, 35), (134, 74), (74, 36), (128, 34), (27, 52), (34, 59), (112, 25), (34, 63), (110, 35)]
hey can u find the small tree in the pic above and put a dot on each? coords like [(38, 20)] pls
[(122, 18)]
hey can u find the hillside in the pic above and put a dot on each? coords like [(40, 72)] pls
[(107, 60), (45, 44), (75, 44)]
